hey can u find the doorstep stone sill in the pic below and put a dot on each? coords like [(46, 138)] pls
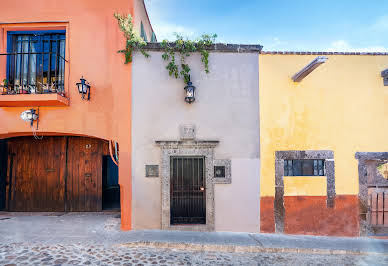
[(26, 100)]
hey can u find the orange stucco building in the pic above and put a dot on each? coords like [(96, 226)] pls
[(92, 39)]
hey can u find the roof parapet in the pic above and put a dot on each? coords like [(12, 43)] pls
[(217, 47)]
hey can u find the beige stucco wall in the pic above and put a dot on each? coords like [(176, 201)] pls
[(226, 109)]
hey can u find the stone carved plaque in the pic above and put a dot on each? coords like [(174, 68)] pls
[(152, 170), (187, 132)]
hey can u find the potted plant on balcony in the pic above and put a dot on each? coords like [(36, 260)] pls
[(46, 88), (53, 88), (32, 89), (5, 86), (24, 89)]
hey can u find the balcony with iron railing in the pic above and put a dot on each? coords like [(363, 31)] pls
[(32, 79)]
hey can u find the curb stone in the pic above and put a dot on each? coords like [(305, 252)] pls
[(241, 249)]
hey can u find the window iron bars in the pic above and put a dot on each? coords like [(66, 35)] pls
[(26, 76), (304, 167)]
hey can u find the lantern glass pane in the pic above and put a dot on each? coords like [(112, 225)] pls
[(189, 92)]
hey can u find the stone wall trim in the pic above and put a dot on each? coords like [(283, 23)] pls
[(280, 156), (187, 148)]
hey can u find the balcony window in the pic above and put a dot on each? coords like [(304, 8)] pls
[(35, 62)]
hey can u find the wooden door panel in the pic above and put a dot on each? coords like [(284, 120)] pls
[(378, 207), (37, 181), (40, 171), (84, 179)]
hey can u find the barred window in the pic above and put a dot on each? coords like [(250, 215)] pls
[(304, 167), (36, 61)]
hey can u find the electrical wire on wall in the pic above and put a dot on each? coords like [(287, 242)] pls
[(115, 156), (37, 128)]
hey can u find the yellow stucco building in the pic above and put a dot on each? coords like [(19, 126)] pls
[(336, 111)]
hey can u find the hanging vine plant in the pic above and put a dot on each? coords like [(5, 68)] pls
[(133, 39), (184, 47)]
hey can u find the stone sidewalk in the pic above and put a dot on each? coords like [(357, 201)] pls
[(85, 254), (103, 229)]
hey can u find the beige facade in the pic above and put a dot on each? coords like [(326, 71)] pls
[(226, 109)]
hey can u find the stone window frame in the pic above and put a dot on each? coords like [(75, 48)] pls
[(228, 171), (170, 149), (365, 160), (280, 156)]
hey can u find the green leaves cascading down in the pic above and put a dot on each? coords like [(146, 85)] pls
[(182, 46), (133, 39), (185, 48)]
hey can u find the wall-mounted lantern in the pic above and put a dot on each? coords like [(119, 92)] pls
[(384, 74), (84, 88), (30, 116), (190, 92)]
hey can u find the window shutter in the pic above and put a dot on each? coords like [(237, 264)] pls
[(142, 32)]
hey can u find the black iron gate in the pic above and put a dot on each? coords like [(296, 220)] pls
[(187, 190)]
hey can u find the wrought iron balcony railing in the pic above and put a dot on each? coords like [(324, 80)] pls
[(33, 73)]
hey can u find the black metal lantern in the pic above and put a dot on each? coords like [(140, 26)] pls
[(84, 88), (190, 92)]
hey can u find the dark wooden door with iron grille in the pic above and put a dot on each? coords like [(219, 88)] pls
[(187, 190)]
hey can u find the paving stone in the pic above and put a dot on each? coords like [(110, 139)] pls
[(32, 254)]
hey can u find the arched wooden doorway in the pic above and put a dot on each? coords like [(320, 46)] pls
[(56, 173)]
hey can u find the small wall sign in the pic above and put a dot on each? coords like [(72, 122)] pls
[(152, 170), (187, 132), (222, 171), (219, 171)]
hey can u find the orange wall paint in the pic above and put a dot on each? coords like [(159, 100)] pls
[(267, 218), (309, 215), (93, 39)]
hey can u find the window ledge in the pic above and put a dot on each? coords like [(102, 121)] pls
[(25, 100)]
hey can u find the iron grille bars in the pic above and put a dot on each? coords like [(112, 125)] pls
[(32, 73), (188, 190)]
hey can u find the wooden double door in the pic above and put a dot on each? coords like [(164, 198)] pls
[(54, 174)]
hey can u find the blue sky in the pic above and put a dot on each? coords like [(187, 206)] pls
[(285, 25)]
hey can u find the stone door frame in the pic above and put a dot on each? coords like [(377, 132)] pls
[(204, 148)]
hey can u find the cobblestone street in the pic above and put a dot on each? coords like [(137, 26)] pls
[(77, 254)]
